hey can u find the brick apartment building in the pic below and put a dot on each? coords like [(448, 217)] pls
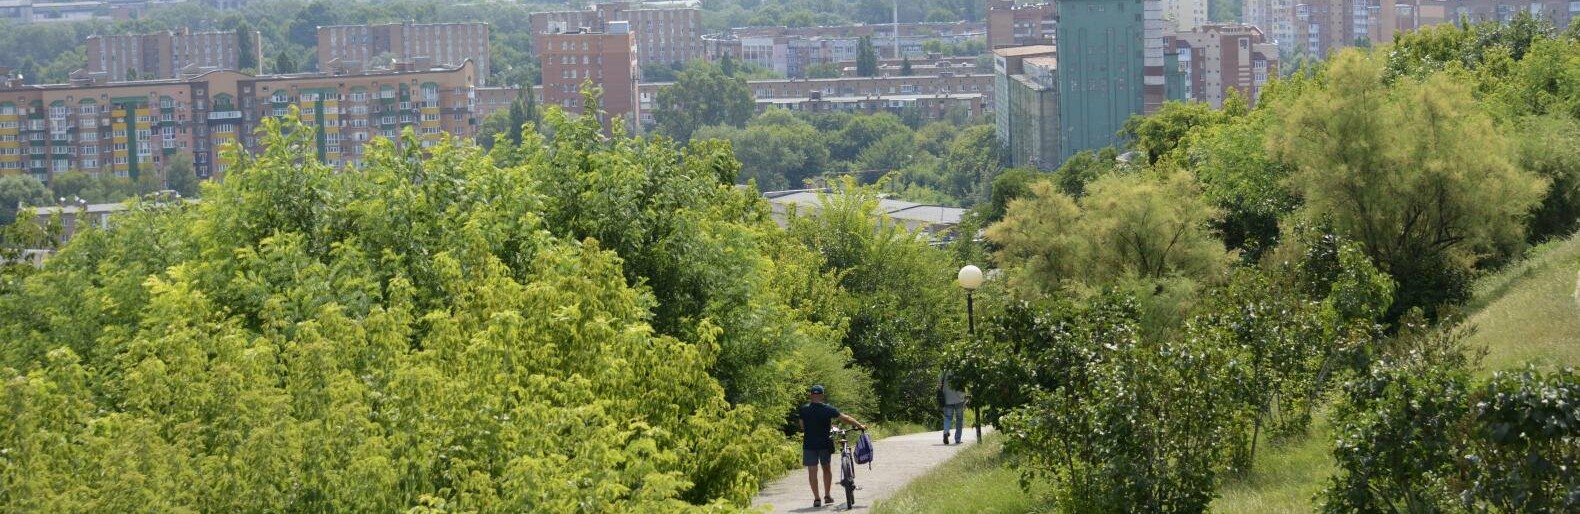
[(439, 44), (1217, 58), (164, 55), (664, 35), (129, 128), (1021, 25), (606, 59)]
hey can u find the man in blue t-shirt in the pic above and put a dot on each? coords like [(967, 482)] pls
[(816, 447)]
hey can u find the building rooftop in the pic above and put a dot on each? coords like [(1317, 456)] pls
[(1048, 61), (930, 218), (1021, 51)]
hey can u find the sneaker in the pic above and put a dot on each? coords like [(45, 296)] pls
[(946, 438), (828, 499), (817, 503)]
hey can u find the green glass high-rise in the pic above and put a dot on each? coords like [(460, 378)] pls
[(1111, 67)]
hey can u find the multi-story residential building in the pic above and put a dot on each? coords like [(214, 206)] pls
[(1403, 15), (791, 51), (1021, 25), (934, 94), (1116, 70), (1184, 15), (1321, 27), (1026, 105), (439, 44), (130, 128), (1275, 18), (55, 11), (605, 59), (1217, 58), (665, 33), (165, 55)]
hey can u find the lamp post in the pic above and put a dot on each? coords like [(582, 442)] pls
[(970, 278)]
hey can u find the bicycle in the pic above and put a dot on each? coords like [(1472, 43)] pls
[(847, 467)]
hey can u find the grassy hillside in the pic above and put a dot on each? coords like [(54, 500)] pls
[(1528, 313)]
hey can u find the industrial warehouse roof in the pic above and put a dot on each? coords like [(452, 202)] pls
[(929, 218)]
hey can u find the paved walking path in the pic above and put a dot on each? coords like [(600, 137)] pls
[(896, 461)]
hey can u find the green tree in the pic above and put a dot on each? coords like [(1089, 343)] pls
[(420, 334), (283, 63), (823, 70), (1423, 208), (1008, 186), (866, 58), (1116, 422), (1238, 176), (1126, 227), (903, 309), (777, 150), (1158, 134), (180, 176), (905, 67), (727, 65), (1083, 168), (1550, 147), (974, 159), (247, 53), (17, 190), (703, 95)]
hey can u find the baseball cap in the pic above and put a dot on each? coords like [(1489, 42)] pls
[(816, 389)]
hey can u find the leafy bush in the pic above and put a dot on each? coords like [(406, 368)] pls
[(1127, 425), (1417, 435), (413, 335)]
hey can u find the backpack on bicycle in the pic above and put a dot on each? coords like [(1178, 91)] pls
[(864, 450)]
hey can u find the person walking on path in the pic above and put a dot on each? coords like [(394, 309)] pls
[(954, 405), (817, 448)]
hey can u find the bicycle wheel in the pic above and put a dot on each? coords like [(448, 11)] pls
[(847, 472)]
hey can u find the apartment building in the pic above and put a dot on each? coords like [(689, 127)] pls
[(1404, 15), (1184, 15), (438, 44), (935, 94), (130, 128), (1217, 58), (605, 59), (790, 51), (1275, 18), (665, 33), (1021, 25), (1026, 105), (165, 55), (1322, 27)]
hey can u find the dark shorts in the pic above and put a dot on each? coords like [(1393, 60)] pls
[(811, 457)]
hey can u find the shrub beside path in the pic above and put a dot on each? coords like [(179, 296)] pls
[(896, 461)]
